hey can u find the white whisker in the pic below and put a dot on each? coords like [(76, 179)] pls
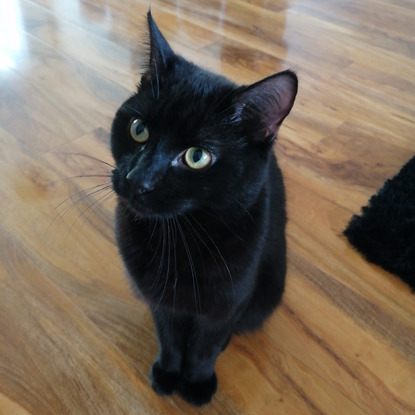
[(196, 293)]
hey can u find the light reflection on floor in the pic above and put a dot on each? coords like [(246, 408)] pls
[(10, 33)]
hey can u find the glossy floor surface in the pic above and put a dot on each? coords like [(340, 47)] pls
[(73, 338)]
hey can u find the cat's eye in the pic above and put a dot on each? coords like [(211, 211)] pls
[(197, 158), (138, 131)]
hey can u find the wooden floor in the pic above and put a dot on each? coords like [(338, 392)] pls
[(73, 339)]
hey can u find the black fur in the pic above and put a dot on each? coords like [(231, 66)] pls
[(204, 248), (385, 231)]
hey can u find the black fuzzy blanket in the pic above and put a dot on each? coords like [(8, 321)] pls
[(385, 231)]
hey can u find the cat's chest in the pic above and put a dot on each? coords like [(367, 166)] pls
[(181, 247), (185, 263)]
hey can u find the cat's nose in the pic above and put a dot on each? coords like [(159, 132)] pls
[(139, 185)]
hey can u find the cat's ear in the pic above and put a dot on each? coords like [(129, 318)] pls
[(264, 105), (160, 50)]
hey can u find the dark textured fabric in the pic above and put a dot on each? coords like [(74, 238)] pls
[(385, 231)]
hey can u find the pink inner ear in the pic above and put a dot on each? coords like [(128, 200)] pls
[(283, 89), (270, 100)]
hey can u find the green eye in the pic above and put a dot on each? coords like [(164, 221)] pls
[(197, 158), (138, 131)]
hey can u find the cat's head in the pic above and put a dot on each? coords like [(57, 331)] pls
[(190, 140)]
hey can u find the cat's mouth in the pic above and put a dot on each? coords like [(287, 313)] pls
[(139, 207), (123, 192), (157, 203), (144, 210), (150, 204)]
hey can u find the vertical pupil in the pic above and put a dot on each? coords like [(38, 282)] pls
[(139, 129), (197, 155)]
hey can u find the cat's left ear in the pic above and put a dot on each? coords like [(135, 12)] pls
[(264, 105), (160, 50)]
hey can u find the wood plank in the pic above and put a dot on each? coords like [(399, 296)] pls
[(58, 357), (95, 52)]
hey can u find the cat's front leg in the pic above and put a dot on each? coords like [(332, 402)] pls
[(172, 332), (199, 381)]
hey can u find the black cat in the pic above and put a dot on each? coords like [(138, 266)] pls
[(200, 221)]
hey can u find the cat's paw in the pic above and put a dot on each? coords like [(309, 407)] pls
[(162, 381), (200, 392)]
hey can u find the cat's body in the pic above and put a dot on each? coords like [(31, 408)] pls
[(200, 222), (214, 268)]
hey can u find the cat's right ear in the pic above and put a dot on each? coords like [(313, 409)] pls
[(160, 50)]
